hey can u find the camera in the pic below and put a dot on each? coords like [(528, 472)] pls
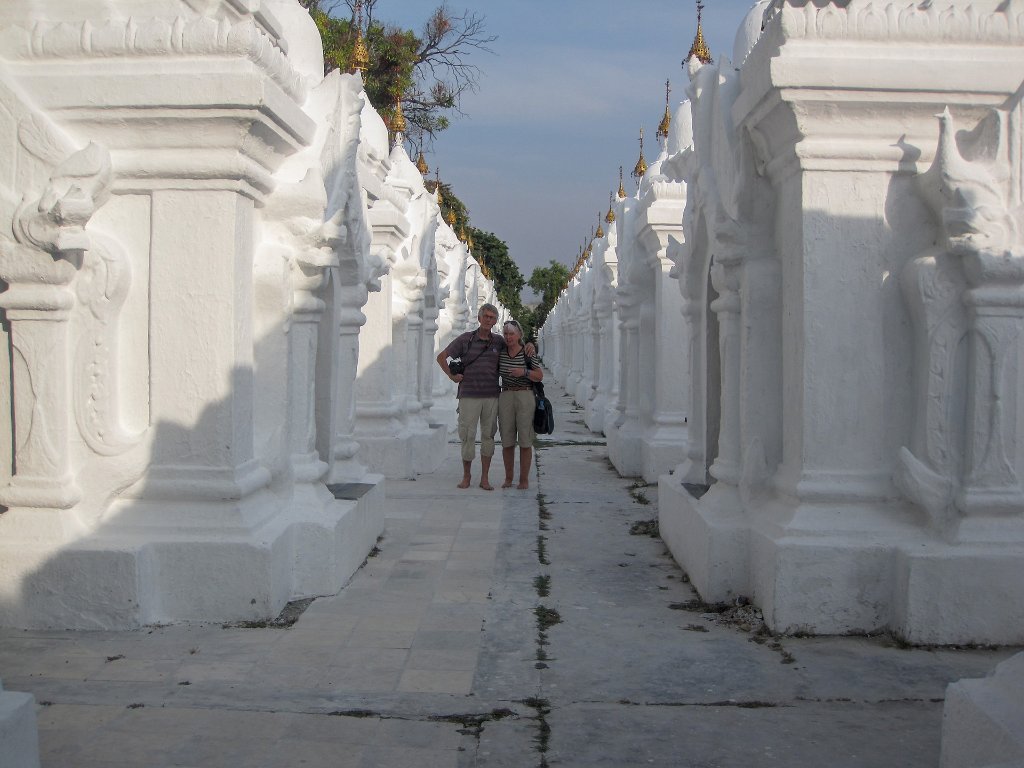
[(456, 367)]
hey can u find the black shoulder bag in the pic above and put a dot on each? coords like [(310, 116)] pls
[(543, 415)]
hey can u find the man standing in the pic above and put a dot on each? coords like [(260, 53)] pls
[(480, 351)]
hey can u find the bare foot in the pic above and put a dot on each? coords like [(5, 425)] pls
[(486, 485), (507, 483), (464, 483), (523, 485)]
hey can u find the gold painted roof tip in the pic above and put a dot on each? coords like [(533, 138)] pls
[(398, 124), (421, 164), (699, 47), (622, 192), (610, 216), (666, 120), (600, 232), (641, 164), (360, 54)]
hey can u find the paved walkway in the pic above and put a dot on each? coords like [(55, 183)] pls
[(505, 628)]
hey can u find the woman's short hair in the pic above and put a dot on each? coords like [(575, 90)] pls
[(514, 324)]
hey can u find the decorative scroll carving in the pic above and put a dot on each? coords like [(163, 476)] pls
[(967, 304), (947, 20), (78, 186), (39, 267), (101, 288), (200, 36)]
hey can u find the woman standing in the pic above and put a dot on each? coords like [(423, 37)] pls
[(516, 404)]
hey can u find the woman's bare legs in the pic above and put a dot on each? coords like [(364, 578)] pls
[(525, 459), (508, 458)]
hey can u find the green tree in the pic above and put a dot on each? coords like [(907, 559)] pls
[(453, 210), (548, 283), (429, 71), (492, 251)]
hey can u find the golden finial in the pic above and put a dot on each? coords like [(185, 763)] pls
[(398, 124), (462, 231), (469, 242), (666, 120), (622, 192), (610, 216), (360, 55), (600, 232), (421, 164), (437, 184), (699, 47), (450, 218), (641, 165)]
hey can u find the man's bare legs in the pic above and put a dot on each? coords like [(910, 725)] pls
[(508, 458), (485, 467), (466, 466), (525, 459)]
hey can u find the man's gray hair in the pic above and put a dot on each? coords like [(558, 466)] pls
[(486, 308)]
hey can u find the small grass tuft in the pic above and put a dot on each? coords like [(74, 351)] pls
[(645, 528), (543, 585)]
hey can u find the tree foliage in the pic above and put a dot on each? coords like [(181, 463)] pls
[(548, 283), (492, 251), (430, 71), (453, 210)]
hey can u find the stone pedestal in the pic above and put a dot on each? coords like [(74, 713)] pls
[(663, 357), (864, 461), (19, 739), (172, 312), (606, 352), (983, 720)]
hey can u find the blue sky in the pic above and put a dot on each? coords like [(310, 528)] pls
[(560, 107)]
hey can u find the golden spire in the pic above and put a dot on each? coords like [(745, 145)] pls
[(462, 231), (450, 218), (360, 55), (666, 120), (437, 184), (398, 124), (622, 192), (600, 232), (610, 216), (699, 47), (641, 165), (421, 164), (469, 242)]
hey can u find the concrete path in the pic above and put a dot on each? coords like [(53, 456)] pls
[(505, 628)]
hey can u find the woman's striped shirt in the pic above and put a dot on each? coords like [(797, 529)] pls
[(507, 363)]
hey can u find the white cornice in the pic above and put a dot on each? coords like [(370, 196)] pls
[(153, 37)]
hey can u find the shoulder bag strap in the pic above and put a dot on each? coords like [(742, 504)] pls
[(486, 347)]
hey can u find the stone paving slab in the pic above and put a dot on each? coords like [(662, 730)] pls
[(433, 655)]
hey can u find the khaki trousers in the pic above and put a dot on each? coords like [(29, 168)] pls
[(474, 411)]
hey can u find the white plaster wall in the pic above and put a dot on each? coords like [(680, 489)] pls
[(188, 442)]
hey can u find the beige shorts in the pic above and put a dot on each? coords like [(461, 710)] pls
[(515, 417), (473, 411)]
